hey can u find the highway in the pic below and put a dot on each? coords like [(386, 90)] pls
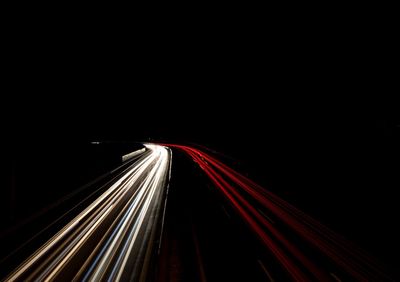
[(193, 219), (115, 237)]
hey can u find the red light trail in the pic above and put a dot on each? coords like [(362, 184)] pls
[(245, 195)]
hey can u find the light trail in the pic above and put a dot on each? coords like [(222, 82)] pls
[(118, 235), (115, 237), (253, 202)]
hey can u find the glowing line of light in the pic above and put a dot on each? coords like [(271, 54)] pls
[(121, 209), (239, 190)]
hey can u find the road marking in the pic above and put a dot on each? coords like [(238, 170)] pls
[(335, 277), (225, 211), (266, 216), (265, 270)]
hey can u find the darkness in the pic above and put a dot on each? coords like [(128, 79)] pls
[(296, 105)]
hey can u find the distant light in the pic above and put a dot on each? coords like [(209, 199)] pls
[(95, 142)]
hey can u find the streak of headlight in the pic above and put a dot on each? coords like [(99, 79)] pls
[(59, 236), (148, 188), (159, 172), (71, 252), (122, 210)]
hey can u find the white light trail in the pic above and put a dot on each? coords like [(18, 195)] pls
[(112, 237)]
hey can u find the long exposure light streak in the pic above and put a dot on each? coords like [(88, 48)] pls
[(252, 202), (115, 236), (118, 235)]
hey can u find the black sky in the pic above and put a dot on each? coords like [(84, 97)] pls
[(230, 82)]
